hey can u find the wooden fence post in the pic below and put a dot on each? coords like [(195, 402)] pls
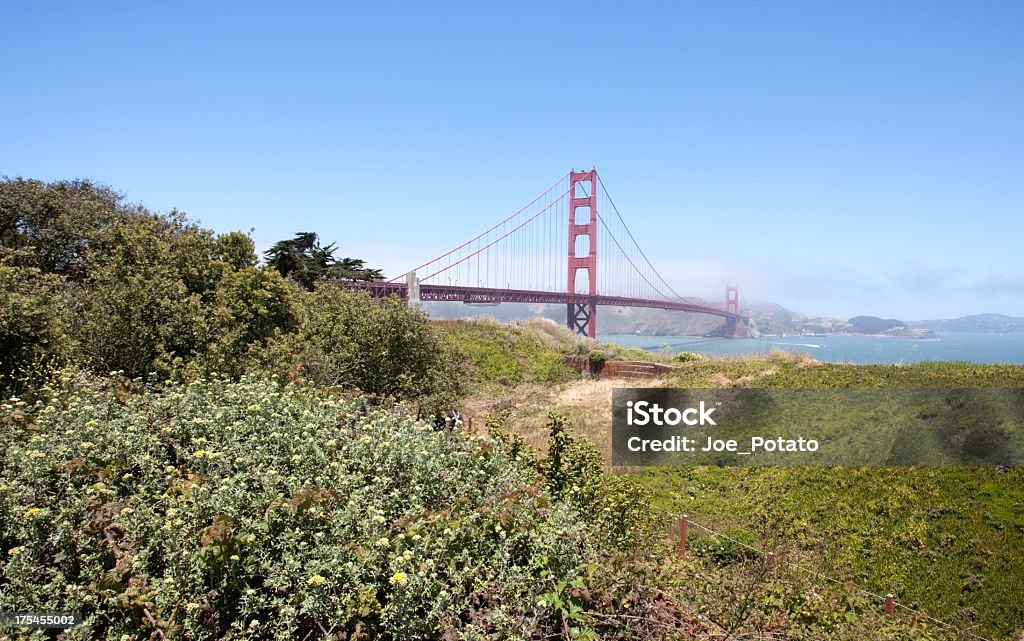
[(889, 606), (683, 523)]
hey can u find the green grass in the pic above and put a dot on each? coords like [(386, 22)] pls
[(948, 539), (779, 369), (534, 351), (509, 354)]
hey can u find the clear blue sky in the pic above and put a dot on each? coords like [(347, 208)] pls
[(835, 157)]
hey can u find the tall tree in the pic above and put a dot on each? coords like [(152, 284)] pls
[(304, 260), (354, 269)]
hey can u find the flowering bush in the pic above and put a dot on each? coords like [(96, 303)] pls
[(246, 510)]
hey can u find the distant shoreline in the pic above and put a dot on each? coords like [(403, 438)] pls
[(931, 336), (861, 349)]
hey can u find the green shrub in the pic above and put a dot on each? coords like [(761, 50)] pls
[(687, 357), (116, 287), (732, 546), (231, 510), (31, 323), (162, 295), (382, 347), (575, 473), (510, 354)]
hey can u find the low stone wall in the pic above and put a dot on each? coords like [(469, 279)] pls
[(618, 369), (632, 369)]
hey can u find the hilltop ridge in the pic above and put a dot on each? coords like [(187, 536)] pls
[(978, 323)]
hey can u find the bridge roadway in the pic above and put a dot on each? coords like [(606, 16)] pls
[(481, 295)]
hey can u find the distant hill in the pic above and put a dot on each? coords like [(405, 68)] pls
[(874, 325), (774, 320), (501, 313), (768, 318), (610, 320), (977, 323)]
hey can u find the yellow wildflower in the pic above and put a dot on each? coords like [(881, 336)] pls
[(398, 578)]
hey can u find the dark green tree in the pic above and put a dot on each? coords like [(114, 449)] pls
[(305, 261), (354, 269)]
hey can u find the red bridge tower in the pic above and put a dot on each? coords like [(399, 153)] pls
[(732, 305), (582, 317)]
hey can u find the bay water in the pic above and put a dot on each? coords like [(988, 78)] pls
[(948, 346)]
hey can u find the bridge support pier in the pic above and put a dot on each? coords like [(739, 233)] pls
[(412, 289), (582, 318)]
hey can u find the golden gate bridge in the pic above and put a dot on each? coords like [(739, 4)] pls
[(547, 252)]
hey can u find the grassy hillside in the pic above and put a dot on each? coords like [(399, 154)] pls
[(950, 540), (533, 351)]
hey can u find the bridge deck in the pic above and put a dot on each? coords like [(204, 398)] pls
[(457, 294)]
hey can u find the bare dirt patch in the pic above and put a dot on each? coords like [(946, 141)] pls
[(586, 403)]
